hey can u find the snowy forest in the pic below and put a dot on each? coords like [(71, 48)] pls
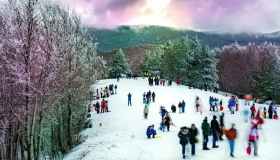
[(49, 61)]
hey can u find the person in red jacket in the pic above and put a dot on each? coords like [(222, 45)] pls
[(103, 106)]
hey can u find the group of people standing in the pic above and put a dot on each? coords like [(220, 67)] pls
[(149, 97), (181, 107), (157, 81), (103, 93), (106, 91)]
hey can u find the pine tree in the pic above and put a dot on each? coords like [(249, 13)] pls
[(119, 64), (268, 81), (152, 61)]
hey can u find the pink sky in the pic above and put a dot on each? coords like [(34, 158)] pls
[(213, 15)]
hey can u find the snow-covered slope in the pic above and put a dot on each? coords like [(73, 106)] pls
[(122, 134)]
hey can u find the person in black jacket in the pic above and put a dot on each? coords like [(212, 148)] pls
[(222, 125), (193, 139), (270, 111), (215, 129), (205, 132), (184, 139), (153, 96)]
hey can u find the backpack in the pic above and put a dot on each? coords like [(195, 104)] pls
[(231, 134)]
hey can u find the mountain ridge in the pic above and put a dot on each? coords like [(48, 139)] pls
[(134, 36)]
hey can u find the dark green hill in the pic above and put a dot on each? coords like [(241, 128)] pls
[(133, 36)]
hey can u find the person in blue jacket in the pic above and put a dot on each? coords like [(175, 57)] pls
[(129, 96), (151, 132), (232, 104)]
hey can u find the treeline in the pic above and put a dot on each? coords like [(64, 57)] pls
[(250, 69), (186, 60), (47, 64)]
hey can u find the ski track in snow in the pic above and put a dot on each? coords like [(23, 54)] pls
[(122, 134)]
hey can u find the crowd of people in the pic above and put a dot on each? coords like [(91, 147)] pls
[(215, 128), (188, 135)]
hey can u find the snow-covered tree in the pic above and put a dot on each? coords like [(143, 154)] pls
[(152, 61), (119, 64), (46, 66), (190, 62)]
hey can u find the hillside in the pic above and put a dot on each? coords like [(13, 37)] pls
[(122, 133), (133, 36)]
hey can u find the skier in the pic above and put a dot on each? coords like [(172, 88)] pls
[(153, 96), (205, 133), (231, 135), (193, 139), (183, 106), (184, 139), (129, 96), (215, 129), (151, 132), (146, 110)]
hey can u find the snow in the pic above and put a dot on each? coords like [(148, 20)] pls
[(122, 134)]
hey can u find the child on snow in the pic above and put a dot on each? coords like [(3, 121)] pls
[(151, 132), (253, 140), (173, 108)]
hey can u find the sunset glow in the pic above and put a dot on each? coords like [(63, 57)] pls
[(222, 15)]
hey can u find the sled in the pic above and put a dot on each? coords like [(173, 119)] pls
[(157, 137), (248, 150)]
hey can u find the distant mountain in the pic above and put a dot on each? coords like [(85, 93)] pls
[(134, 36)]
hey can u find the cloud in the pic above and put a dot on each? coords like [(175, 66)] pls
[(218, 15)]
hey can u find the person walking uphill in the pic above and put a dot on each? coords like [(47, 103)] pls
[(129, 96), (184, 139), (215, 129), (193, 139), (231, 135), (205, 133), (146, 110)]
